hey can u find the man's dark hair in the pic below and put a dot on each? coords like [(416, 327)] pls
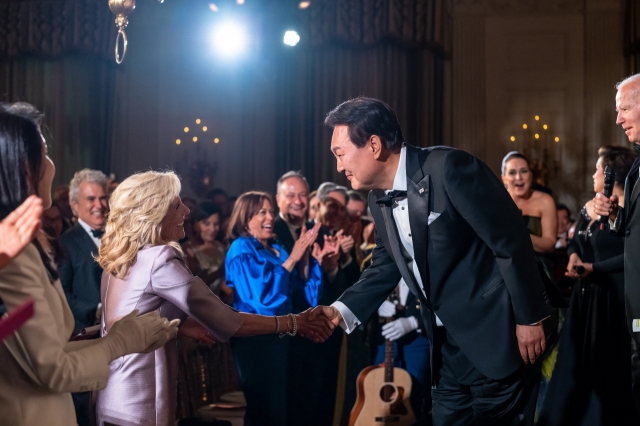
[(619, 158), (366, 117), (561, 206), (291, 174)]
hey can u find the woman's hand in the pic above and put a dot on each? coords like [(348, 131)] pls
[(18, 229), (318, 330), (192, 329), (301, 246), (576, 263), (327, 256)]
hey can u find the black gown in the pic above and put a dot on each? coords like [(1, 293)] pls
[(591, 382)]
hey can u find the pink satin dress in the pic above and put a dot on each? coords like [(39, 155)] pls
[(142, 388)]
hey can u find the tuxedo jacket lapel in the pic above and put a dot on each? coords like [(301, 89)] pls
[(632, 192), (418, 196)]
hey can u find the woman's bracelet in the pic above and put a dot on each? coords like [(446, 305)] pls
[(294, 320)]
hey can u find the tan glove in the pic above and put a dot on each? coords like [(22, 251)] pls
[(139, 334)]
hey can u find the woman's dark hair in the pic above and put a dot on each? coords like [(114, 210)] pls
[(20, 160), (619, 158), (246, 207), (203, 211), (510, 156), (367, 117), (21, 166)]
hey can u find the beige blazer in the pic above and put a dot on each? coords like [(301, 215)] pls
[(38, 366)]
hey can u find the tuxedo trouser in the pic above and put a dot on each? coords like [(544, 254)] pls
[(465, 397)]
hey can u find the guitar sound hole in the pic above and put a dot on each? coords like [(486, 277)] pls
[(388, 393)]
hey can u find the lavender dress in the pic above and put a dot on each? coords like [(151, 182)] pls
[(142, 388)]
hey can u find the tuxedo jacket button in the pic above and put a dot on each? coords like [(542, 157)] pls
[(627, 232), (436, 307)]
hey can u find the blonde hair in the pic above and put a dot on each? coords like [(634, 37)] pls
[(137, 207)]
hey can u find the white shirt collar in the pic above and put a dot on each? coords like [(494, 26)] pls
[(400, 181), (85, 226)]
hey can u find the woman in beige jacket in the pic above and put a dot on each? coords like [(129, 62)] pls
[(38, 366)]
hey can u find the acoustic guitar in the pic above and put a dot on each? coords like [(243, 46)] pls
[(383, 395)]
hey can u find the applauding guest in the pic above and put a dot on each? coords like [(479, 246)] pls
[(267, 280)]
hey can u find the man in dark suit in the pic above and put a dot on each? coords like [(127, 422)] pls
[(314, 368), (79, 272), (624, 219), (445, 224)]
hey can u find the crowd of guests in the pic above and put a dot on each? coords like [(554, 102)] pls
[(145, 266)]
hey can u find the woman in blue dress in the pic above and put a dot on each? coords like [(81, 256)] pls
[(268, 281)]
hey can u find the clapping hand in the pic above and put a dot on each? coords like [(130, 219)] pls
[(317, 328), (18, 229), (327, 256)]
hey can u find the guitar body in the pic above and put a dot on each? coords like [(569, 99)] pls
[(381, 402)]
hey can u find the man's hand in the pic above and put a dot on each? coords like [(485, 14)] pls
[(330, 312), (607, 207), (317, 328), (18, 229), (531, 341)]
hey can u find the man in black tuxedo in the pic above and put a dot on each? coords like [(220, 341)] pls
[(445, 224), (79, 272), (624, 219)]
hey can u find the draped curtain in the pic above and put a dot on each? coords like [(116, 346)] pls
[(55, 55), (632, 35), (58, 55)]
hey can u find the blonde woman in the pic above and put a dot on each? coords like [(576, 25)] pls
[(144, 268)]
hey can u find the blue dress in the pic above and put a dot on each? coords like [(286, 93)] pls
[(263, 286)]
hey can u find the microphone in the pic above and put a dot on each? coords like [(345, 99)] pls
[(609, 177)]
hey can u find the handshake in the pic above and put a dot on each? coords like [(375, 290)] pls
[(318, 323)]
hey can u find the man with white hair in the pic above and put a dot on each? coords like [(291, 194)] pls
[(79, 272), (624, 218)]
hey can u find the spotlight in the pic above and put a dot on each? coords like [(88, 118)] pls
[(304, 4), (291, 38), (229, 38)]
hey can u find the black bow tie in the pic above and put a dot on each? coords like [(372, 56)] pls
[(390, 198), (97, 233)]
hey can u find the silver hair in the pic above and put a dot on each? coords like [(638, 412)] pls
[(635, 91), (327, 187), (86, 175), (291, 174)]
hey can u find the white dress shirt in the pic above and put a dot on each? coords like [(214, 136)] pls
[(401, 217), (88, 229)]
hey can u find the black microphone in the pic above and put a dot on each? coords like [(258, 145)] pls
[(609, 177)]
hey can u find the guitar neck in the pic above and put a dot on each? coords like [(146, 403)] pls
[(388, 361)]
